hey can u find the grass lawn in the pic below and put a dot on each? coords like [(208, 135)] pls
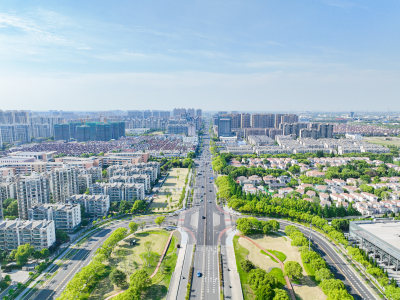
[(167, 198), (280, 255), (241, 255), (281, 247), (385, 141), (156, 133), (129, 258)]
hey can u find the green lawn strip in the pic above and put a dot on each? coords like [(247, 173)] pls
[(280, 255), (241, 254)]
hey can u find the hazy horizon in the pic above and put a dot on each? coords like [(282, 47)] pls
[(324, 55)]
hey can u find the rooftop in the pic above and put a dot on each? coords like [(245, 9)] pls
[(384, 234)]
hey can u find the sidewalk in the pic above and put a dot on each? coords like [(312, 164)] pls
[(236, 290), (175, 283)]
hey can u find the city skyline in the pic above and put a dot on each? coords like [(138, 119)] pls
[(332, 55)]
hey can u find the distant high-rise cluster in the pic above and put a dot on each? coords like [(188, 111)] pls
[(151, 119), (179, 121), (18, 127), (317, 130), (245, 124), (185, 121), (91, 131)]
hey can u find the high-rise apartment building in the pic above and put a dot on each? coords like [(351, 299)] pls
[(33, 189), (293, 128), (245, 121), (66, 217), (96, 206), (63, 183), (62, 132), (325, 130), (39, 234), (119, 191), (224, 126), (14, 117), (263, 121), (236, 121)]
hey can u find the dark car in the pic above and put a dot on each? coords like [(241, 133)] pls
[(203, 217)]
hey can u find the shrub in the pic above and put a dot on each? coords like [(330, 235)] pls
[(247, 265)]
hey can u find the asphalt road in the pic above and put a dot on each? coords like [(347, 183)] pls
[(209, 225), (342, 269), (82, 256)]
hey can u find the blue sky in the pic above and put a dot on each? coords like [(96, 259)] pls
[(237, 55)]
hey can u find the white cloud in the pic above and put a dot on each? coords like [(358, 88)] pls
[(344, 4), (33, 32)]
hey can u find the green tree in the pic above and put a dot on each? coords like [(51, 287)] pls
[(10, 208), (125, 206), (318, 263), (340, 224), (295, 169), (133, 226), (367, 188), (61, 236), (36, 255), (23, 253), (247, 265), (331, 284), (274, 225), (244, 226), (258, 277), (339, 295), (267, 228), (147, 246), (323, 274), (265, 292), (139, 206), (140, 280), (118, 277), (159, 220), (142, 225), (280, 295), (44, 253), (293, 270)]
